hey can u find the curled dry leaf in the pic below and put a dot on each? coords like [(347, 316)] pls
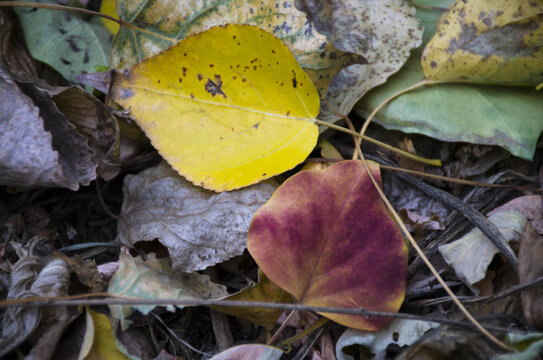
[(38, 145), (326, 237), (199, 228), (29, 278), (478, 41), (154, 279), (381, 32), (530, 268)]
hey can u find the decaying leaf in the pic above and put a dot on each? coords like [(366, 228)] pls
[(30, 278), (199, 228), (93, 120), (527, 346), (326, 237), (263, 291), (154, 279), (509, 117), (498, 42), (399, 332), (250, 352), (38, 145), (471, 255), (226, 108), (382, 32), (65, 41), (99, 342), (530, 268)]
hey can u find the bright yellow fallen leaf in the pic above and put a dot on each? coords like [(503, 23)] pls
[(99, 342), (109, 7), (489, 42), (227, 107)]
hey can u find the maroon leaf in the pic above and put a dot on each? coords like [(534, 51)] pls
[(326, 237)]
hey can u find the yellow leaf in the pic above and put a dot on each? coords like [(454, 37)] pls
[(488, 42), (227, 107), (109, 7), (99, 342)]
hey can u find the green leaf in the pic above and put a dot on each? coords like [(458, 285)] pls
[(65, 41), (509, 117)]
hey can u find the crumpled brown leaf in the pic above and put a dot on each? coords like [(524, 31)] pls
[(20, 323), (39, 144), (531, 267), (199, 227)]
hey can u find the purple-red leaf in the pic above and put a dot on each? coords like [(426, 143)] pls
[(326, 237)]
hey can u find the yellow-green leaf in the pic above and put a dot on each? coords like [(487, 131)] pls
[(227, 107), (489, 42)]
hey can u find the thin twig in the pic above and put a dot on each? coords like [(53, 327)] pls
[(83, 299), (474, 299)]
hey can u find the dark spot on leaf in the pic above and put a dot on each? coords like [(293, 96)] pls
[(180, 81), (243, 80), (256, 125), (288, 112), (254, 67), (433, 64), (61, 31), (158, 81), (214, 87), (273, 51), (191, 95), (200, 77), (65, 62), (184, 54), (86, 57), (184, 71), (294, 81), (233, 37), (234, 77), (264, 174), (72, 44), (126, 93), (211, 65), (322, 55)]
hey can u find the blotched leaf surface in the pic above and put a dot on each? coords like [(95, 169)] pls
[(326, 237)]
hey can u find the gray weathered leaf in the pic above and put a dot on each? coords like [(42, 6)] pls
[(200, 228), (382, 31), (471, 255), (400, 332)]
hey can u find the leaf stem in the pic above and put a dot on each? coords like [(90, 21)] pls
[(358, 151), (433, 162), (429, 264), (83, 11)]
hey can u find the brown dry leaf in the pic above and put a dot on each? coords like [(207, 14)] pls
[(530, 268), (263, 291), (93, 120)]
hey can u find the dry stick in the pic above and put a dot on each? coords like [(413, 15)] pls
[(281, 328), (433, 162), (440, 177), (358, 150), (82, 299), (86, 12)]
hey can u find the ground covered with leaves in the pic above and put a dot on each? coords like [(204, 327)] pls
[(275, 179)]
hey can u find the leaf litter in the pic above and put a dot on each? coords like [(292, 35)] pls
[(179, 234)]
